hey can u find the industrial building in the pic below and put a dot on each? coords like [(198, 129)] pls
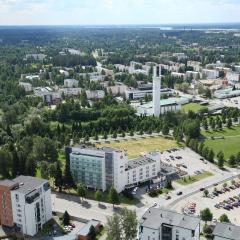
[(226, 93), (25, 204)]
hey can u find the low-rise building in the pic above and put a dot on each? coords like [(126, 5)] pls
[(70, 83), (226, 231), (95, 94), (233, 77), (195, 65), (178, 75), (27, 86), (161, 224), (26, 204), (193, 74), (210, 73), (64, 72), (48, 95)]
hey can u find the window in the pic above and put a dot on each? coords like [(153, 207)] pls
[(17, 197)]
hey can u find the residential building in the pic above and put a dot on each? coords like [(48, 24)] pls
[(226, 231), (95, 94), (36, 56), (178, 75), (26, 204), (118, 88), (30, 77), (70, 91), (64, 72), (195, 65), (27, 86), (233, 77), (70, 83), (210, 73), (161, 224), (193, 74), (101, 168), (47, 94), (83, 234)]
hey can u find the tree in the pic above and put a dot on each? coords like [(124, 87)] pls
[(31, 165), (113, 227), (58, 176), (224, 218), (129, 224), (206, 215), (5, 163), (44, 169), (81, 190), (229, 123), (83, 99), (205, 193), (65, 218), (220, 157), (205, 124), (232, 160), (165, 129), (98, 195), (92, 233), (113, 196), (210, 156), (122, 226)]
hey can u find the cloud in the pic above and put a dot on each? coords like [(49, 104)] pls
[(117, 11)]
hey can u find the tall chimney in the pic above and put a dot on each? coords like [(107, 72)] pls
[(156, 90)]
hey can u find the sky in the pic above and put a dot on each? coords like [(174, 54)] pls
[(111, 12)]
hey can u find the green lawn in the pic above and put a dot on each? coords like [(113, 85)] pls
[(141, 146), (194, 178), (229, 145), (195, 107)]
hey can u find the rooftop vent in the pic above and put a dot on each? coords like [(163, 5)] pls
[(21, 184)]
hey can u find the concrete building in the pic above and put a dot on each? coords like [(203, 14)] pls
[(64, 72), (143, 90), (26, 204), (156, 90), (226, 231), (95, 94), (178, 75), (36, 56), (233, 77), (161, 224), (70, 91), (27, 86), (118, 88), (70, 83), (105, 167), (195, 65), (83, 234), (48, 95), (226, 93), (193, 74), (210, 74)]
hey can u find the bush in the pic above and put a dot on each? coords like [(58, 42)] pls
[(153, 193)]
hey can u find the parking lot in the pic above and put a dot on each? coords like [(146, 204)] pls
[(187, 161), (220, 200)]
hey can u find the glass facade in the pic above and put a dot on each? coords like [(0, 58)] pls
[(109, 169), (87, 169)]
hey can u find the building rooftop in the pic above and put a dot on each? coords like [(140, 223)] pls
[(155, 217), (140, 161), (84, 231), (78, 148), (28, 184), (226, 230), (7, 183)]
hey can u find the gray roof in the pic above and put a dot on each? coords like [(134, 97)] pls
[(155, 217), (28, 184), (84, 231), (7, 183), (228, 231), (140, 161)]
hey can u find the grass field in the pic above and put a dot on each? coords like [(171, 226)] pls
[(194, 178), (141, 146), (229, 145), (195, 107)]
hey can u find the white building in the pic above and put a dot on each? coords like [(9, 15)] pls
[(226, 231), (47, 94), (105, 167), (31, 204), (210, 74), (195, 65), (27, 86), (64, 72), (70, 91), (233, 76), (178, 75), (69, 83), (95, 94), (156, 90), (193, 74), (160, 224)]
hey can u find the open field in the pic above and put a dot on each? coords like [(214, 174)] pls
[(142, 146), (229, 145), (194, 178), (195, 107)]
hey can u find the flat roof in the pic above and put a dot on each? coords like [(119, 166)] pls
[(138, 162), (227, 230), (28, 183), (7, 183), (156, 217)]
